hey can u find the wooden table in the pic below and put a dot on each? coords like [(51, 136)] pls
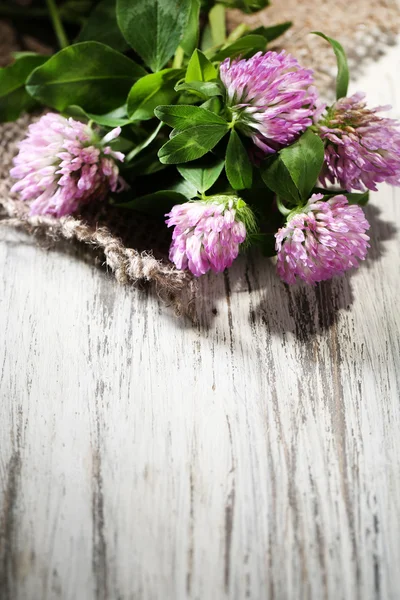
[(255, 455)]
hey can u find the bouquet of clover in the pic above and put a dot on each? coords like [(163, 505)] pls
[(173, 116)]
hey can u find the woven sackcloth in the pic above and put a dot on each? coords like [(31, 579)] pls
[(135, 248)]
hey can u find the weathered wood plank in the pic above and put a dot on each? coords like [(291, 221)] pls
[(254, 455)]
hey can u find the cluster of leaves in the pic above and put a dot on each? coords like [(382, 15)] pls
[(152, 65)]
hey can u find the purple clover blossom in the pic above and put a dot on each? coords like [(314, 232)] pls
[(361, 147), (62, 165), (271, 97), (323, 240), (208, 233)]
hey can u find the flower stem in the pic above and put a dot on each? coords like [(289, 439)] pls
[(57, 24), (282, 208), (237, 33), (178, 58)]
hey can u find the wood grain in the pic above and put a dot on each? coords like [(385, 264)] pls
[(253, 455)]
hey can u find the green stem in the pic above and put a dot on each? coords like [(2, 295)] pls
[(237, 33), (178, 58), (231, 116), (57, 24), (282, 208)]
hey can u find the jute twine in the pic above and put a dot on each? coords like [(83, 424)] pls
[(135, 248)]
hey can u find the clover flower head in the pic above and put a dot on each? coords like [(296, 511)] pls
[(62, 164), (208, 233), (323, 240), (361, 147), (271, 97)]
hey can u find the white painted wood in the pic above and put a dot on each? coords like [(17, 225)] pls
[(256, 455)]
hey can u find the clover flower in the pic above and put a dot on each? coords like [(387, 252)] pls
[(208, 233), (361, 147), (323, 240), (271, 98), (62, 164)]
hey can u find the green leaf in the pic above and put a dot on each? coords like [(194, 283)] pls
[(216, 18), (102, 26), (14, 98), (155, 204), (213, 104), (273, 32), (276, 176), (247, 6), (192, 143), (238, 167), (204, 89), (200, 68), (184, 187), (203, 173), (151, 91), (206, 39), (361, 199), (184, 116), (304, 160), (115, 118), (153, 28), (88, 74), (342, 80), (191, 37), (245, 46)]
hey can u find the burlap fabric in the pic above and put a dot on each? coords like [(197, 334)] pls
[(133, 247)]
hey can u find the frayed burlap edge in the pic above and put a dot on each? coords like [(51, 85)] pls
[(128, 265)]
